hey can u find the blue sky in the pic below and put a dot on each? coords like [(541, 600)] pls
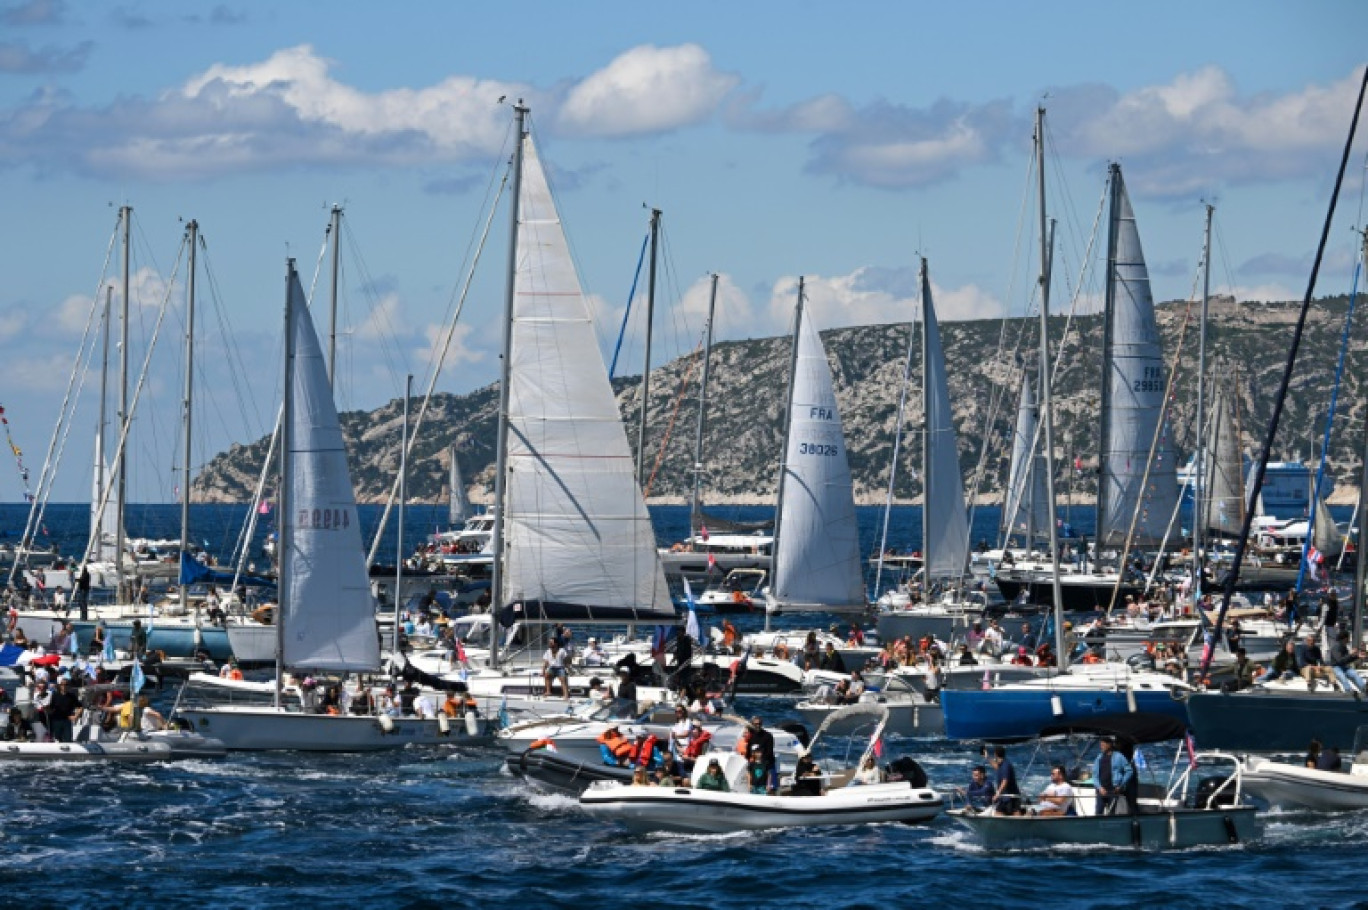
[(831, 140)]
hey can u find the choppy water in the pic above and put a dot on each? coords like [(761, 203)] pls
[(448, 828)]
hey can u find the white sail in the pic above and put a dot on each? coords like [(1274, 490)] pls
[(946, 548), (578, 541), (817, 555), (1134, 382), (1223, 477), (328, 611), (459, 507), (1026, 511), (104, 523), (1326, 536)]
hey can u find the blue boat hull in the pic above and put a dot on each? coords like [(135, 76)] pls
[(1005, 714), (174, 640), (1275, 721)]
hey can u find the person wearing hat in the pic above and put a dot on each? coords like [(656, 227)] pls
[(1114, 776), (763, 740), (594, 655), (713, 779)]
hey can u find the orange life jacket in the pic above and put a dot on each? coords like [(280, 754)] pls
[(697, 745), (642, 754), (743, 743)]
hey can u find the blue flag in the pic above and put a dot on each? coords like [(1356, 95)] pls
[(137, 679)]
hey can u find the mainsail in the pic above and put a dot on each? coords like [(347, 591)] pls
[(946, 521), (578, 541), (1223, 477), (817, 554), (328, 611), (1027, 511), (1325, 535), (1134, 380)]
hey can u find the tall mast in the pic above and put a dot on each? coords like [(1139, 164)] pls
[(1199, 506), (334, 228), (1102, 532), (926, 439), (126, 214), (646, 370), (1360, 598), (501, 450), (403, 496), (783, 447), (696, 506), (192, 234), (1046, 400), (284, 523)]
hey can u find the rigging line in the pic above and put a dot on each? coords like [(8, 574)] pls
[(440, 359), (1261, 466), (627, 311), (237, 364), (66, 411), (122, 445), (674, 414), (381, 324)]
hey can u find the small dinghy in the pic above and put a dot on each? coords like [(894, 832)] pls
[(838, 797), (565, 772), (135, 751)]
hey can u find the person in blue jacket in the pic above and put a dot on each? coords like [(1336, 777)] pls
[(1114, 776)]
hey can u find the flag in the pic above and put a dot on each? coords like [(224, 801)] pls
[(503, 711), (460, 651), (712, 562), (703, 532), (108, 653), (74, 645), (264, 508), (738, 667), (137, 680), (662, 635), (1191, 749), (691, 627), (878, 746), (1140, 762)]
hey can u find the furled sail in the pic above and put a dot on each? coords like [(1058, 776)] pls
[(946, 548), (1134, 380), (817, 558), (104, 523), (328, 610), (458, 510), (1223, 477), (578, 541), (1027, 511)]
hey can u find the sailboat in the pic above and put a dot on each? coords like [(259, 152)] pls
[(817, 549), (1135, 496), (945, 519), (327, 620)]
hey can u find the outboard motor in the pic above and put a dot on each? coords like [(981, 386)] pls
[(907, 768), (1206, 789)]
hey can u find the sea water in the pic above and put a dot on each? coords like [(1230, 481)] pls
[(448, 827)]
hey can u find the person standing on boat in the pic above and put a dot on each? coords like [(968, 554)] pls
[(137, 640), (553, 669), (762, 739), (626, 703), (979, 793), (1006, 792), (61, 711), (1114, 776)]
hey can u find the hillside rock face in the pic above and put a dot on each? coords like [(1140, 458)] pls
[(1246, 348)]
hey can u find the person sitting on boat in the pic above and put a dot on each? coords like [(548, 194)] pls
[(458, 705), (679, 732), (1057, 797), (1006, 792), (1329, 760), (830, 660), (856, 637), (1311, 663), (699, 739), (1028, 638), (869, 773), (1342, 660), (812, 655), (992, 639), (553, 669), (152, 719), (594, 655), (1023, 657), (1313, 753), (625, 704), (388, 703), (362, 703), (615, 748), (1284, 664), (664, 777), (713, 779), (974, 638), (1114, 776), (965, 658), (729, 636), (855, 688), (17, 729), (641, 777), (979, 794), (807, 777), (230, 670)]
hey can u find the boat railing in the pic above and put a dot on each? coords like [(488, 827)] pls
[(1194, 790)]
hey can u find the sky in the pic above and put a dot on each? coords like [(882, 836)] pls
[(835, 141)]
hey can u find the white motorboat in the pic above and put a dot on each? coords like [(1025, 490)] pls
[(136, 751), (1286, 784), (909, 713), (839, 800)]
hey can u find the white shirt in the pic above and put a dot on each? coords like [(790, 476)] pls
[(1058, 795), (554, 660), (424, 706)]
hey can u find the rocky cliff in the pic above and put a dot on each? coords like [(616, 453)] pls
[(1247, 347)]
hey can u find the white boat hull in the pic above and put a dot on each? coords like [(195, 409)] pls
[(1289, 785), (86, 752), (694, 811), (266, 728)]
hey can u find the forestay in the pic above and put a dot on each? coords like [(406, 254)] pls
[(1134, 383), (329, 613), (817, 558), (578, 541)]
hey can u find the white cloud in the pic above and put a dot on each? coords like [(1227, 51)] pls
[(13, 320), (734, 314), (648, 89), (871, 295), (381, 321), (458, 353)]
